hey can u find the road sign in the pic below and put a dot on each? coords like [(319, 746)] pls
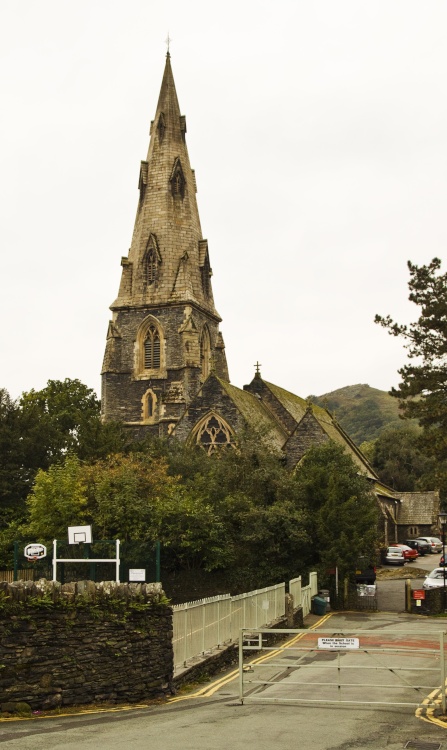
[(338, 643), (35, 551), (418, 594)]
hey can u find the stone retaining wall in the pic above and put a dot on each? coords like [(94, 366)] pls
[(83, 642)]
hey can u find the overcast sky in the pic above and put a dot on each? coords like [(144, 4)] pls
[(317, 131)]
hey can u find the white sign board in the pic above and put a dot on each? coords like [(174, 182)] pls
[(338, 643), (35, 550), (78, 534), (137, 574)]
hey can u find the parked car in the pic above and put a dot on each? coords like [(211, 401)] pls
[(409, 553), (434, 542), (394, 556), (435, 579), (418, 544), (365, 571)]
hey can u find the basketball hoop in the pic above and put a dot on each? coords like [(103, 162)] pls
[(33, 559)]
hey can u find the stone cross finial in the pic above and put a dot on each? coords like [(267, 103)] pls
[(258, 371), (168, 41)]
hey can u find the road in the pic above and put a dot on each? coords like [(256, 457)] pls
[(212, 716)]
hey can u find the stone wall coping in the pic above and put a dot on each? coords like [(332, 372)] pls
[(20, 591)]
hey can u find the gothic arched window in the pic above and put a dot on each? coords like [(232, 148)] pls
[(150, 352), (149, 402), (213, 433), (177, 180), (152, 349), (151, 261), (151, 266)]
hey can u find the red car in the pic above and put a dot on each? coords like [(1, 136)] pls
[(409, 553)]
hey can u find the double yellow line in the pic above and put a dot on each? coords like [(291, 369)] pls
[(209, 690)]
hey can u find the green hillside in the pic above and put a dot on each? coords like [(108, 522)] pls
[(362, 411)]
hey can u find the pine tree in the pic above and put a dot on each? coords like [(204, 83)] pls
[(423, 390)]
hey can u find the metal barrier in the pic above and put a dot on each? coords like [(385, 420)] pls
[(302, 595), (206, 624), (341, 667)]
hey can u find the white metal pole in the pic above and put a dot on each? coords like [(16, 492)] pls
[(117, 561), (54, 559), (241, 666), (185, 636), (442, 664)]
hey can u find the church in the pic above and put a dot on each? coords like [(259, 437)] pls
[(165, 371)]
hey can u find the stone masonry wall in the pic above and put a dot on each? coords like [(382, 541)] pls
[(83, 642)]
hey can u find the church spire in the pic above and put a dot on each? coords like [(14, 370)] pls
[(167, 262), (164, 337)]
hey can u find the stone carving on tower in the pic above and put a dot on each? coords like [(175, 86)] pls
[(163, 340)]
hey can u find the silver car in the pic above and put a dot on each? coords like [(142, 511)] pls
[(394, 556), (434, 542), (435, 579)]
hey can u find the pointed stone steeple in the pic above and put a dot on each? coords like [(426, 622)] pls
[(166, 280), (165, 259)]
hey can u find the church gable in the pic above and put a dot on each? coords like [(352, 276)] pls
[(211, 399), (237, 408), (307, 434), (265, 392)]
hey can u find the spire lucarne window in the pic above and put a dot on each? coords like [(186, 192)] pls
[(151, 266), (161, 127), (152, 349), (205, 353), (178, 181)]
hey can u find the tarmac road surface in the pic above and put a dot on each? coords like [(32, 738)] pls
[(212, 718)]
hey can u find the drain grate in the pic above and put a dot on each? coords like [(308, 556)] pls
[(422, 745)]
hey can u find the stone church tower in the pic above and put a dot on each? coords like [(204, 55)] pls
[(163, 340)]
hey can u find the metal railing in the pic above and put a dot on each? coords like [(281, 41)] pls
[(206, 624), (302, 595)]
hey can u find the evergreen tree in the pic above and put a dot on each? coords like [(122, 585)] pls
[(342, 510), (423, 390), (399, 460)]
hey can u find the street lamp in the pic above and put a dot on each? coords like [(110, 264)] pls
[(442, 517)]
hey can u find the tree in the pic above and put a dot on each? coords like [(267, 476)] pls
[(40, 429), (64, 417), (397, 457), (342, 509), (423, 390), (58, 500), (15, 476)]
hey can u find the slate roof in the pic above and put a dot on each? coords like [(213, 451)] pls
[(255, 414), (418, 508), (297, 408)]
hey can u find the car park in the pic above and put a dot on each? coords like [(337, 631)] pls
[(434, 542), (394, 556), (422, 547), (435, 579), (409, 553)]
